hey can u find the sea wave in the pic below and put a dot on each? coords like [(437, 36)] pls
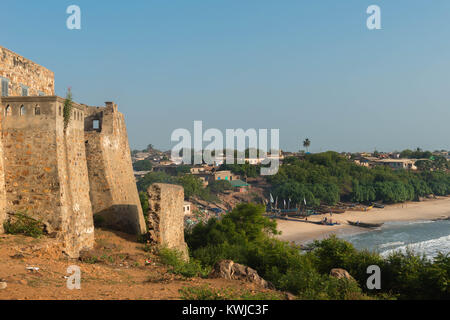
[(429, 248), (391, 244)]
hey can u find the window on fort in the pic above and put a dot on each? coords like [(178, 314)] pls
[(5, 84), (96, 124), (37, 111), (23, 111), (59, 110), (24, 91), (8, 111)]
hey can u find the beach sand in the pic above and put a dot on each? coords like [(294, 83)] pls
[(301, 232)]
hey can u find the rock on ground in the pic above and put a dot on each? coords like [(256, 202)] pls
[(341, 274), (227, 269)]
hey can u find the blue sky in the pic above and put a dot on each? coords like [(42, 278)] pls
[(310, 68)]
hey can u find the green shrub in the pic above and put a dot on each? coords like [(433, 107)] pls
[(142, 165), (67, 109), (246, 237), (174, 259), (21, 223)]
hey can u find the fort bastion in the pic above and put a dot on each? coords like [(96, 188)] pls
[(61, 174)]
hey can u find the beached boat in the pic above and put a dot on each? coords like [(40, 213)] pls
[(365, 225)]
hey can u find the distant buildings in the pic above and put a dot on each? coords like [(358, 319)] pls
[(396, 164), (390, 160), (187, 208)]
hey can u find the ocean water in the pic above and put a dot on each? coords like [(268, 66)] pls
[(422, 237)]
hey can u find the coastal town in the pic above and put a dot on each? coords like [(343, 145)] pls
[(242, 188), (241, 151)]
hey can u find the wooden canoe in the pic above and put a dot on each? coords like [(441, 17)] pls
[(365, 225)]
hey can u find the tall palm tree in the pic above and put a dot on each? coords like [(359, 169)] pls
[(307, 144)]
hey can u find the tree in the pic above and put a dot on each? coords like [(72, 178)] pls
[(307, 144), (142, 165), (219, 186)]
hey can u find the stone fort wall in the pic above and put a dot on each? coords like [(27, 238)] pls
[(19, 71), (113, 192), (45, 168), (62, 175)]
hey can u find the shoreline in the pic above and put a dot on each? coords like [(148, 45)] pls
[(301, 232)]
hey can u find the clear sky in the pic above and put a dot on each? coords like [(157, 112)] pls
[(310, 68)]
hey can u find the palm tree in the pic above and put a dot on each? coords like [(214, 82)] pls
[(307, 144)]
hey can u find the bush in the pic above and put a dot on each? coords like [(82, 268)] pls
[(21, 223), (174, 259), (246, 237), (142, 165)]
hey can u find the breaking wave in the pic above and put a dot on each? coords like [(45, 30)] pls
[(429, 248)]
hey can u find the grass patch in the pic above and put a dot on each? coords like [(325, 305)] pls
[(177, 265), (21, 223)]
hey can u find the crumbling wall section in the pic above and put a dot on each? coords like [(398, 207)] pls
[(113, 192), (165, 222)]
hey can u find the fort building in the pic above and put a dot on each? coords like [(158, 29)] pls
[(62, 172)]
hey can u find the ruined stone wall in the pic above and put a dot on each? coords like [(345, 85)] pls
[(21, 71), (165, 222), (45, 168), (113, 190)]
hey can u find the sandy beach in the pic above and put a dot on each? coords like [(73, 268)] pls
[(300, 231)]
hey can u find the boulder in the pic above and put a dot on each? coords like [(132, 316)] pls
[(341, 274), (227, 269)]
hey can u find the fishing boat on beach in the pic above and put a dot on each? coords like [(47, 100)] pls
[(365, 225)]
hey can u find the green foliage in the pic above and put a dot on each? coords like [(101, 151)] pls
[(407, 276), (244, 170), (143, 198), (67, 110), (193, 186), (206, 293), (183, 169), (174, 259), (246, 236), (154, 177), (328, 178), (418, 154), (21, 223), (142, 165), (219, 186)]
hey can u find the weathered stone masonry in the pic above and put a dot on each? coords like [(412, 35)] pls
[(166, 217), (62, 176), (113, 192), (19, 73)]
